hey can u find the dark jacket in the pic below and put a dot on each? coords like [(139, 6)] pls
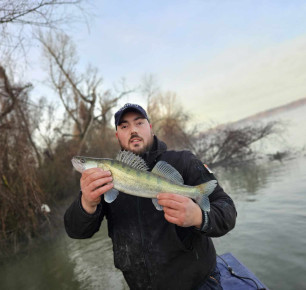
[(151, 252)]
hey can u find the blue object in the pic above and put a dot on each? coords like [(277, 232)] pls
[(129, 107), (230, 282)]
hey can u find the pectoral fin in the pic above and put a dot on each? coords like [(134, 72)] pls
[(156, 204), (111, 195)]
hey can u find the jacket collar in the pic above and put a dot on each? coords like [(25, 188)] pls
[(158, 148)]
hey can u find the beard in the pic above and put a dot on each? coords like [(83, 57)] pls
[(138, 150)]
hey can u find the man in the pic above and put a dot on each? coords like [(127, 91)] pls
[(169, 249)]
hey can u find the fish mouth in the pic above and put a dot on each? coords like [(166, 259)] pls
[(78, 165)]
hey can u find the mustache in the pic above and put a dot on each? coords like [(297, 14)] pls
[(135, 136)]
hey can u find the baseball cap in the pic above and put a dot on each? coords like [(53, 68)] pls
[(129, 107)]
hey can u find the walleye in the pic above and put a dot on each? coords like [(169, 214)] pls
[(130, 175)]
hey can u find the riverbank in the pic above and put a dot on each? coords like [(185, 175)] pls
[(51, 225)]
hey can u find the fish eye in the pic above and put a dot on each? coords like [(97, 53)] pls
[(82, 160)]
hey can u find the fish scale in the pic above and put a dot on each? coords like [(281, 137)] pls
[(130, 176)]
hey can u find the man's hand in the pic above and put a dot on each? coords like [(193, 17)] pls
[(180, 210), (93, 185)]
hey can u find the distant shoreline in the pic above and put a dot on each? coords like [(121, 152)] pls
[(273, 111), (265, 114)]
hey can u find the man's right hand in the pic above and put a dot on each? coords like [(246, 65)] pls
[(93, 185)]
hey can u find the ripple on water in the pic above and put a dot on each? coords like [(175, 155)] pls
[(93, 263), (269, 236)]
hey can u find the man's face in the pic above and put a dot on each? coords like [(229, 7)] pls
[(134, 133)]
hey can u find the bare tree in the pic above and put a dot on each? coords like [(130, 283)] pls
[(149, 88), (14, 99), (38, 13), (219, 146), (231, 145), (170, 121), (77, 92), (8, 97), (20, 192), (82, 96), (108, 101), (18, 18)]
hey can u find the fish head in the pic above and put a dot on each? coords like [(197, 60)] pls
[(81, 163)]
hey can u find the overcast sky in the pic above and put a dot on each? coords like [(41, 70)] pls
[(224, 59)]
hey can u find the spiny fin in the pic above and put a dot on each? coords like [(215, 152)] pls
[(156, 204), (111, 195), (132, 160), (164, 169)]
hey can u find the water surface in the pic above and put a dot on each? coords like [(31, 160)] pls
[(269, 237)]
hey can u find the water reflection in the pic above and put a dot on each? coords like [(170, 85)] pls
[(93, 263), (44, 267), (269, 232), (245, 181)]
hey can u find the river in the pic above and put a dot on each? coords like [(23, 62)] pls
[(269, 237)]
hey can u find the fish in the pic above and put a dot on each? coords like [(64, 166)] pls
[(131, 176)]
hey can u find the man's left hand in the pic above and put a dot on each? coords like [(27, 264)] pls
[(180, 210)]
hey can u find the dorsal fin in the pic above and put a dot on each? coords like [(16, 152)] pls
[(164, 169), (132, 160)]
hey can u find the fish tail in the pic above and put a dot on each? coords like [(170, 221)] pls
[(205, 190)]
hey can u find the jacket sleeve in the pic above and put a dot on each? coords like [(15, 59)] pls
[(222, 215), (79, 224)]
